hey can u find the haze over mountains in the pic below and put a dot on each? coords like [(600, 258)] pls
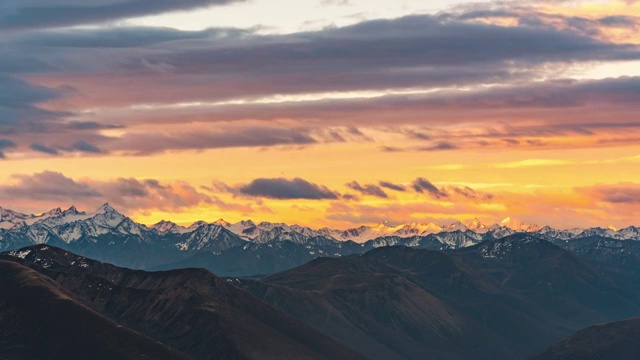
[(248, 248)]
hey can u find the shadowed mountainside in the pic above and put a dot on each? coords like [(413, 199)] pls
[(510, 297), (617, 340), (191, 310), (41, 320)]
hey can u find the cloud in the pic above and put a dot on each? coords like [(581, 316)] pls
[(134, 194), (47, 185), (19, 102), (85, 147), (333, 59), (368, 189), (469, 193), (29, 14), (284, 189), (227, 137), (91, 125), (392, 186), (44, 149), (623, 193), (422, 185), (441, 146), (128, 194), (4, 145), (240, 76)]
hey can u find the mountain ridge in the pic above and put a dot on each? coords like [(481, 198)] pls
[(248, 248)]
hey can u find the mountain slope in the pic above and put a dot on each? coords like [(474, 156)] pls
[(377, 311), (553, 276), (519, 294), (617, 340), (39, 319), (190, 310)]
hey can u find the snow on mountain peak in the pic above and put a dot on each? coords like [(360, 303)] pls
[(475, 224), (382, 225), (247, 223), (72, 210), (518, 225), (417, 229), (164, 226), (197, 224), (106, 208), (456, 226), (53, 212), (222, 222)]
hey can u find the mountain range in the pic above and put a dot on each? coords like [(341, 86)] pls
[(507, 298), (247, 248)]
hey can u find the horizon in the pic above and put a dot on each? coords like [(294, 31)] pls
[(349, 113)]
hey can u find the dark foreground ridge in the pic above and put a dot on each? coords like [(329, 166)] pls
[(41, 320), (190, 310)]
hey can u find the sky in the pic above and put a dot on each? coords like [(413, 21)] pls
[(323, 112)]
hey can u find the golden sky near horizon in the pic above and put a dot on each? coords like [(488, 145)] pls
[(350, 113)]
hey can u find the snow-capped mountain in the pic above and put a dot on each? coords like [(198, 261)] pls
[(518, 225), (11, 219), (417, 229), (72, 226), (113, 237), (455, 226)]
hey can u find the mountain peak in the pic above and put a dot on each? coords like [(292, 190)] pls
[(456, 226), (222, 222), (247, 223), (6, 213), (72, 210), (198, 224), (106, 208), (475, 224), (382, 225), (53, 212), (518, 225)]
